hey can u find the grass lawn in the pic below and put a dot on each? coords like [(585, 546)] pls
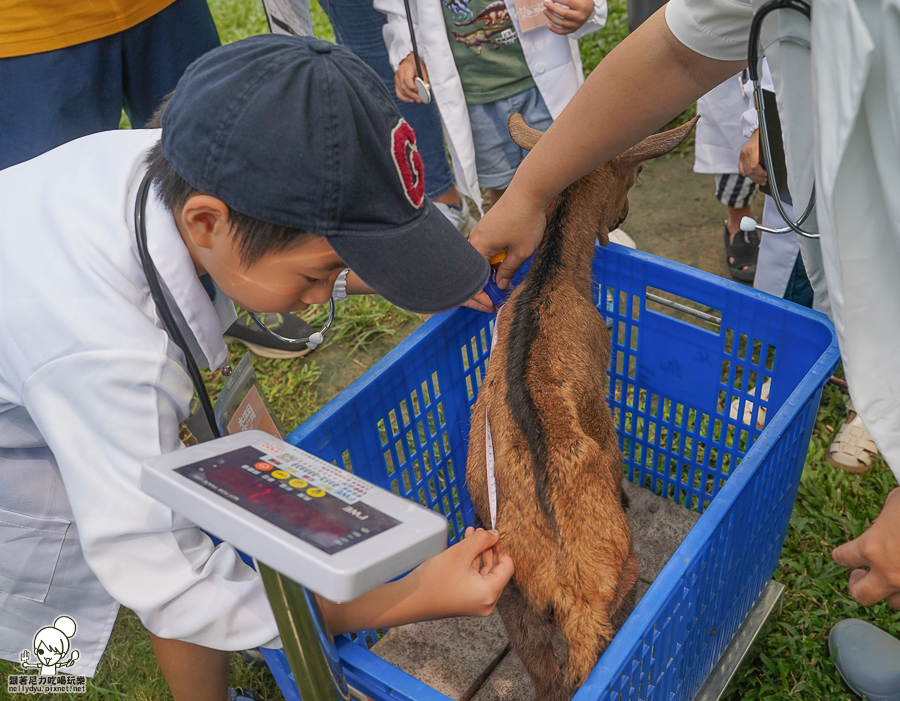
[(831, 506)]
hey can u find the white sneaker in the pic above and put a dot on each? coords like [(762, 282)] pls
[(459, 216)]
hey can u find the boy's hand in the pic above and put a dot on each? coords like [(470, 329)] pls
[(481, 303), (749, 165), (467, 578), (404, 79), (565, 19), (878, 552)]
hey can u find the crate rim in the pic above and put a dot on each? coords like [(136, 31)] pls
[(357, 386)]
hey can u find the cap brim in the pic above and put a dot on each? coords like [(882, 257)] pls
[(425, 267)]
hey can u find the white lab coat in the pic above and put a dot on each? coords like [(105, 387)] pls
[(719, 135), (839, 104), (90, 386), (554, 62)]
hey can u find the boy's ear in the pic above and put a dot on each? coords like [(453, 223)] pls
[(205, 218)]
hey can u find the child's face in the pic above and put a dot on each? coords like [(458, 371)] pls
[(289, 280)]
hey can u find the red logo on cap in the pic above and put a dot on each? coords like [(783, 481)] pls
[(408, 163)]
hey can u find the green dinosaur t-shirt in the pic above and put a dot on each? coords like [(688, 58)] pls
[(486, 50)]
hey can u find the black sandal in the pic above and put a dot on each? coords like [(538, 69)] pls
[(741, 254)]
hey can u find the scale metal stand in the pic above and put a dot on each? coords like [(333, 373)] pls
[(311, 527)]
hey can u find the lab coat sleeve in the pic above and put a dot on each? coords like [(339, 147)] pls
[(750, 117), (396, 30), (596, 21), (103, 413), (713, 28)]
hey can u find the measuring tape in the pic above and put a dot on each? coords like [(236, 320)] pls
[(489, 445)]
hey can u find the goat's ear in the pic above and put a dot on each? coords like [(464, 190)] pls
[(655, 145), (523, 135)]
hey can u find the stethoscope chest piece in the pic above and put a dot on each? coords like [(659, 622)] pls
[(423, 89)]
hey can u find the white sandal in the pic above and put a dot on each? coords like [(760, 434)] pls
[(748, 407), (852, 448)]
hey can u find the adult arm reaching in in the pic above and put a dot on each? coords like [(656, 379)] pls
[(639, 87)]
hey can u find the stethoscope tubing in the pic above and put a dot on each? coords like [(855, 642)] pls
[(753, 59), (156, 292), (295, 340), (163, 308), (422, 87)]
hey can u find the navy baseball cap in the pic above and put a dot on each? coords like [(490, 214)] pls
[(299, 132)]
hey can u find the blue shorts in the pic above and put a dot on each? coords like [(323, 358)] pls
[(496, 155), (53, 97)]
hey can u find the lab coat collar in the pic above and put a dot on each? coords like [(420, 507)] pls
[(206, 318)]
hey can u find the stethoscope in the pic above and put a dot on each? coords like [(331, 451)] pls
[(423, 89), (165, 313), (748, 224)]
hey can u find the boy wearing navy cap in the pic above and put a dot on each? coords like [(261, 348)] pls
[(281, 160)]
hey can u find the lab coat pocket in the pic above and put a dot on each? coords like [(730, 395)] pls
[(29, 551)]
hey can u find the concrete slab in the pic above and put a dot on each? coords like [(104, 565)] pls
[(456, 656), (450, 655), (658, 526)]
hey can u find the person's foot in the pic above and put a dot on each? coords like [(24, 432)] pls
[(253, 657), (236, 693), (852, 448), (458, 215), (741, 252), (246, 331), (867, 658)]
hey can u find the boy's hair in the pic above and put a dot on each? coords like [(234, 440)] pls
[(255, 238)]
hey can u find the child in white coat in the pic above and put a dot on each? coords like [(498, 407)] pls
[(483, 67)]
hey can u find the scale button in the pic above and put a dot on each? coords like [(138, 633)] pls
[(315, 492), (299, 484), (264, 466), (281, 474)]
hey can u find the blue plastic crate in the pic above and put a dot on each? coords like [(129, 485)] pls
[(673, 378)]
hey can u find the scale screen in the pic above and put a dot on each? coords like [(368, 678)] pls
[(260, 483), (322, 526)]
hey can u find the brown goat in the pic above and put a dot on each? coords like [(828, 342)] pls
[(557, 461)]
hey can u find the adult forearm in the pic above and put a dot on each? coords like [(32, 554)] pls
[(640, 86)]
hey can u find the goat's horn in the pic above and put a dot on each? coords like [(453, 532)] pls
[(655, 145), (522, 134)]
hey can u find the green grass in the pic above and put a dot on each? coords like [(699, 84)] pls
[(832, 507), (792, 662)]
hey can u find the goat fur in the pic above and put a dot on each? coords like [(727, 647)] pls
[(558, 466)]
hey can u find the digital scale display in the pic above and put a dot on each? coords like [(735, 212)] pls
[(318, 503)]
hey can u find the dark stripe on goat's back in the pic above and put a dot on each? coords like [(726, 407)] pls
[(525, 322)]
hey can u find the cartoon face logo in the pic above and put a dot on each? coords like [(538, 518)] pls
[(408, 163), (51, 644)]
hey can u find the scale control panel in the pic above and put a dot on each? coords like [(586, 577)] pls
[(322, 526)]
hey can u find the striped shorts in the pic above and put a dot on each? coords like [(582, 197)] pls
[(734, 190)]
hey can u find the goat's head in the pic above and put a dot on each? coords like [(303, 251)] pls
[(606, 191)]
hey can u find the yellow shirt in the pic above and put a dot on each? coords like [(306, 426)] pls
[(30, 26)]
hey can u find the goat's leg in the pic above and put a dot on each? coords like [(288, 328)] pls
[(531, 637), (587, 630)]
